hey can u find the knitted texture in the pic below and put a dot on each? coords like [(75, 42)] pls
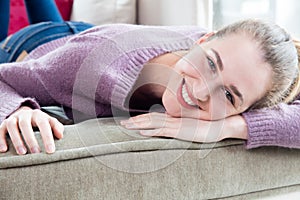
[(91, 71), (277, 126)]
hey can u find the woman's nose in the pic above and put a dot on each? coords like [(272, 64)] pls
[(201, 91)]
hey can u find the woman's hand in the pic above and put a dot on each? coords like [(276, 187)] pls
[(19, 127), (159, 124)]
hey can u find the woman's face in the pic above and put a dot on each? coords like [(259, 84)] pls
[(217, 79)]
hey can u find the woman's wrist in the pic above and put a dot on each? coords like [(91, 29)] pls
[(235, 127)]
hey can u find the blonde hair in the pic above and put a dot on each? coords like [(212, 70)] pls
[(280, 51)]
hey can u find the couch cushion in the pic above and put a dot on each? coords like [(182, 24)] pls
[(104, 11), (100, 159)]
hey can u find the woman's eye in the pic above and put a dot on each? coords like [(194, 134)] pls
[(211, 65), (229, 97)]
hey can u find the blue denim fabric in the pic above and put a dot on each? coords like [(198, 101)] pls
[(35, 35), (37, 11), (4, 18), (42, 11)]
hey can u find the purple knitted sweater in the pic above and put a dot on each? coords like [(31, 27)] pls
[(278, 126), (90, 72), (94, 71)]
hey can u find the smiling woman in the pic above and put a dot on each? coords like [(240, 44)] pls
[(227, 89), (228, 72), (243, 67), (108, 68)]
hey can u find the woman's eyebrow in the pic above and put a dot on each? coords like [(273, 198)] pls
[(237, 93), (232, 87), (219, 61)]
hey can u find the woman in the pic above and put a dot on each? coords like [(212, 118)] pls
[(120, 66), (270, 126)]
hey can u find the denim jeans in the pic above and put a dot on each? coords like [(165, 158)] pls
[(37, 11), (35, 35), (4, 18)]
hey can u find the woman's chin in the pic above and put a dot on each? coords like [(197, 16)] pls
[(171, 106), (173, 110)]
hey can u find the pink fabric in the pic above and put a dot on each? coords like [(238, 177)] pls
[(18, 16), (65, 8)]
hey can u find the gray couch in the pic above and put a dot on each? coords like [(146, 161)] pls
[(98, 159)]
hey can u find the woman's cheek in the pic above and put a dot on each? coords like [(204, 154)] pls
[(171, 104)]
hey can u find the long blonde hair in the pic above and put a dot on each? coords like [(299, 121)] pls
[(280, 51)]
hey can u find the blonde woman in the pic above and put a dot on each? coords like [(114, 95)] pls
[(194, 76), (261, 124)]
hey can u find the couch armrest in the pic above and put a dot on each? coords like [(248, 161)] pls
[(98, 159)]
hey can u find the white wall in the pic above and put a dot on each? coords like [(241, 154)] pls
[(288, 14), (283, 12)]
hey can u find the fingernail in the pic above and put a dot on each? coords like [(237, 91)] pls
[(21, 150), (35, 150), (51, 148), (130, 126), (3, 148), (143, 132), (146, 133), (123, 122)]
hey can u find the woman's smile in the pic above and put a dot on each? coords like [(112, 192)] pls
[(184, 96), (201, 89)]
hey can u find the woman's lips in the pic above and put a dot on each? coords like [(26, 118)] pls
[(185, 98)]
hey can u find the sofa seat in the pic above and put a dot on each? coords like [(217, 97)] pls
[(98, 159)]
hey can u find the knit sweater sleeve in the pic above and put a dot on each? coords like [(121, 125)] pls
[(48, 79), (91, 71), (278, 126), (44, 81), (11, 101)]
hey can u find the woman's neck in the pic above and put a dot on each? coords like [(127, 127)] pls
[(157, 71), (153, 79)]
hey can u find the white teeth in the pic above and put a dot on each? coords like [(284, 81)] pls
[(186, 97)]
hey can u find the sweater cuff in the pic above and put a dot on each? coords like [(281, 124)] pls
[(11, 106), (260, 129)]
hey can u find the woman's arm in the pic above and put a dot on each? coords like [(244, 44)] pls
[(160, 124), (24, 86), (19, 127), (18, 116), (278, 126)]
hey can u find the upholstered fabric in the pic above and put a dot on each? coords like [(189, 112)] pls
[(98, 159), (104, 11), (174, 12)]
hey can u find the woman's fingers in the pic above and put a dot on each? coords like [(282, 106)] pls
[(163, 125), (19, 127), (146, 121), (15, 136), (160, 132), (27, 132), (57, 127), (154, 124), (42, 121), (3, 144)]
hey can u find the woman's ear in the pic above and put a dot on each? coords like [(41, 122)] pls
[(204, 37)]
